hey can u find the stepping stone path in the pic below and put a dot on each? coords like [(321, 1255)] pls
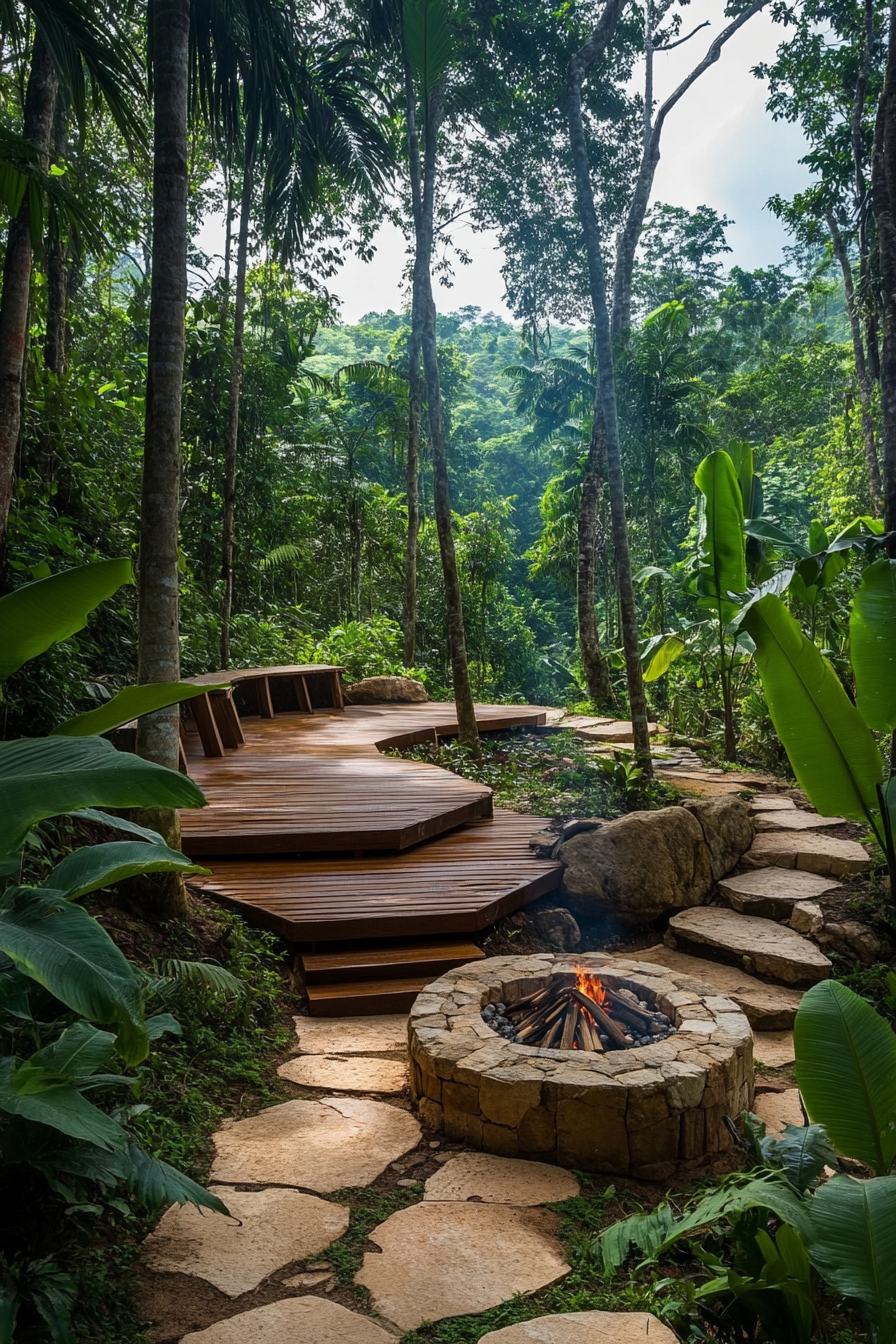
[(812, 853), (795, 820), (317, 1145), (355, 1074), (586, 1327), (295, 1320), (771, 803), (353, 1035), (267, 1230), (774, 1049), (501, 1180), (778, 1109), (454, 1259), (766, 1007), (771, 893), (758, 945)]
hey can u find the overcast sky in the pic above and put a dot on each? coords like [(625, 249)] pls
[(720, 148)]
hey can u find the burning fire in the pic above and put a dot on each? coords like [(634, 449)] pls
[(591, 987)]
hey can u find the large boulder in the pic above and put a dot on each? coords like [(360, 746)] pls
[(639, 868), (727, 829), (386, 690)]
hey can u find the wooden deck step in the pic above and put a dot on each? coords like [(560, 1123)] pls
[(365, 998), (388, 962)]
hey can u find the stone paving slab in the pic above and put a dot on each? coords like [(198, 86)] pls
[(355, 1074), (771, 893), (774, 1049), (268, 1229), (318, 1145), (352, 1035), (501, 1180), (452, 1259), (812, 853), (772, 803), (778, 1109), (586, 1327), (760, 946), (294, 1320), (767, 1007), (615, 730), (796, 821)]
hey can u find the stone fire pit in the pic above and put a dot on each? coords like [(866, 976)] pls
[(645, 1112)]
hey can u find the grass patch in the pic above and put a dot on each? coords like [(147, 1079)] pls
[(368, 1208)]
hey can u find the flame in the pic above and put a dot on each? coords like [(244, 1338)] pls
[(591, 986)]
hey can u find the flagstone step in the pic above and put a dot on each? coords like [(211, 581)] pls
[(760, 946), (772, 802), (586, 1327), (766, 1007), (795, 820), (771, 893), (810, 852), (294, 1320), (354, 1074)]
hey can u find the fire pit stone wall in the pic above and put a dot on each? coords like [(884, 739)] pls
[(645, 1112)]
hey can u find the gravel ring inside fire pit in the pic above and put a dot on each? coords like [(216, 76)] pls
[(646, 1111)]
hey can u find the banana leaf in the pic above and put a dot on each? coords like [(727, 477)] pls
[(831, 749), (43, 776), (40, 614), (39, 1095), (872, 641), (659, 655), (64, 949), (97, 866), (721, 558), (128, 704), (853, 1246), (846, 1069), (78, 1052)]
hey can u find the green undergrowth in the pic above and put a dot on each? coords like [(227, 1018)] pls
[(368, 1208), (558, 775)]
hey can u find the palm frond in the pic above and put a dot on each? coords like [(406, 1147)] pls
[(201, 975)]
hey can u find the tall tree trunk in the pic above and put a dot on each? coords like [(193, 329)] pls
[(866, 298), (630, 233), (231, 435), (605, 387), (863, 378), (597, 677), (158, 644), (40, 105), (883, 195), (415, 390), (57, 264), (424, 318)]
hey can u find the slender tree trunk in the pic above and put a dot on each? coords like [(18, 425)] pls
[(863, 377), (605, 388), (158, 644), (57, 265), (883, 193), (231, 436), (866, 298), (597, 677), (424, 317), (40, 105), (630, 233), (415, 387)]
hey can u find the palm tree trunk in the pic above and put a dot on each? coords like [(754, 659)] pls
[(423, 320), (883, 193), (597, 678), (231, 437), (605, 389), (863, 378), (40, 105), (415, 422), (158, 643)]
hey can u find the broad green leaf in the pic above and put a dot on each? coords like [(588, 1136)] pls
[(831, 749), (64, 949), (427, 40), (853, 1246), (119, 824), (657, 659), (872, 642), (43, 776), (802, 1152), (741, 454), (721, 559), (128, 704), (60, 1106), (160, 1023), (650, 572), (765, 530), (97, 866), (40, 614), (78, 1052), (846, 1069), (157, 1185)]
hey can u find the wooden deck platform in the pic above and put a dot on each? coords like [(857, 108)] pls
[(318, 783), (460, 883)]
